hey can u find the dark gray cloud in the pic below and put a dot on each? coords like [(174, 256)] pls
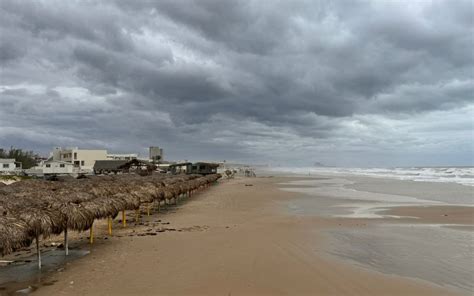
[(291, 82)]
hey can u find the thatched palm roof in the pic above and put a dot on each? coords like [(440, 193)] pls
[(33, 208)]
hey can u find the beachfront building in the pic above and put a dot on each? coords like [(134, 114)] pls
[(84, 159), (52, 167), (202, 168), (105, 167), (180, 168), (9, 166)]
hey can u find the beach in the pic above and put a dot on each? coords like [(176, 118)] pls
[(283, 235)]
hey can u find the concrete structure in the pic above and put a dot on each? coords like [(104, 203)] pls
[(84, 159), (9, 166), (156, 154), (118, 156), (52, 167)]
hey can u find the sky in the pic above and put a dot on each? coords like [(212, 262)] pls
[(285, 83)]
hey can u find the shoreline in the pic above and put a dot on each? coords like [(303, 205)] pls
[(234, 239)]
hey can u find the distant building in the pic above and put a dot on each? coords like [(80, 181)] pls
[(102, 167), (52, 167), (180, 168), (9, 166), (118, 156), (156, 154), (84, 159), (109, 166), (202, 168)]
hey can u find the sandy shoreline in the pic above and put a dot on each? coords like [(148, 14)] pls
[(234, 240)]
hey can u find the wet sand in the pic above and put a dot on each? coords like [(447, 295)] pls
[(232, 239), (447, 215)]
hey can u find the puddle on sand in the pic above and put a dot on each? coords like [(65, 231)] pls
[(24, 277)]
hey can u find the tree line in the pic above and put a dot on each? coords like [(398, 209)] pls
[(27, 158)]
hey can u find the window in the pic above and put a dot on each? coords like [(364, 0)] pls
[(61, 165), (75, 155), (82, 162), (48, 165), (76, 162), (6, 165)]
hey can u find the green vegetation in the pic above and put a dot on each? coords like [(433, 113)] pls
[(27, 158)]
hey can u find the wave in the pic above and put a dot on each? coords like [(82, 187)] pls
[(459, 175)]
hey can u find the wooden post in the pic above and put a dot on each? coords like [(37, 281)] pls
[(124, 219), (38, 251), (137, 215), (66, 242), (148, 210), (109, 222), (91, 234)]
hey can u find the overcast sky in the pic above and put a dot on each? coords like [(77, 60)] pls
[(349, 83)]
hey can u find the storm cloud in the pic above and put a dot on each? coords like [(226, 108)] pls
[(359, 83)]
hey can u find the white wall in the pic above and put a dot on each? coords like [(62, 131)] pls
[(87, 158), (11, 167), (55, 168)]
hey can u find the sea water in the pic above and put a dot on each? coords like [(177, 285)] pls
[(459, 175)]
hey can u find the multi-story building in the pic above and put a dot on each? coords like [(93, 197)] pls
[(84, 159), (156, 154)]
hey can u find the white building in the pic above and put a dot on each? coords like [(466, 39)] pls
[(84, 159), (58, 167), (9, 166)]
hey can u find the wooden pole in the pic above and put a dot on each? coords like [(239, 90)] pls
[(38, 251), (109, 224), (148, 210), (66, 242), (91, 234), (137, 215), (124, 219)]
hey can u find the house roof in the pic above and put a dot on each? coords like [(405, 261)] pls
[(109, 164), (210, 164), (7, 160), (180, 164)]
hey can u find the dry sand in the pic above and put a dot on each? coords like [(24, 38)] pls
[(233, 240)]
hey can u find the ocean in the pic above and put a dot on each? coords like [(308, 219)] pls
[(459, 175)]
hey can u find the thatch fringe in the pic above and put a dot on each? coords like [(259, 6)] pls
[(34, 208)]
